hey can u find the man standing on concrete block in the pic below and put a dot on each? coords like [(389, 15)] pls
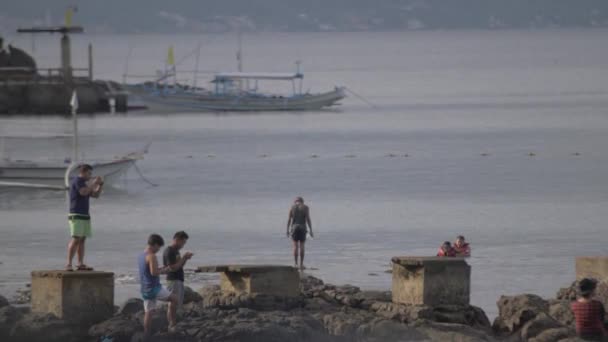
[(82, 187), (299, 217), (151, 289), (175, 262)]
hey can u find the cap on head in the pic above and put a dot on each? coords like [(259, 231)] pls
[(299, 200), (586, 286)]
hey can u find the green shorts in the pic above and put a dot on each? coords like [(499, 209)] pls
[(80, 226)]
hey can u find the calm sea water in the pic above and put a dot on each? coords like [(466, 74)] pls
[(442, 98)]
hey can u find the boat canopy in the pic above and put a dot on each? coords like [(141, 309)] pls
[(231, 76)]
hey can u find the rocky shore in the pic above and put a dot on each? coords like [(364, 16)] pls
[(322, 313)]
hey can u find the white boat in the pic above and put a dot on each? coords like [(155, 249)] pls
[(55, 174), (52, 174), (236, 92)]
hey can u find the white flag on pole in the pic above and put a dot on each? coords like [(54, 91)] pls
[(74, 101)]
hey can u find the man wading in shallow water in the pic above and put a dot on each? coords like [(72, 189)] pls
[(79, 218), (299, 217)]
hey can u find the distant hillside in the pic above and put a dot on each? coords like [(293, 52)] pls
[(306, 15)]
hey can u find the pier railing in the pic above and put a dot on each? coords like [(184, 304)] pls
[(28, 75)]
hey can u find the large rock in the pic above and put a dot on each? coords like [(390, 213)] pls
[(453, 332), (541, 323), (45, 328), (570, 293), (250, 325), (560, 311), (191, 296), (382, 330), (8, 317), (554, 334), (515, 311), (118, 329), (464, 315), (159, 319), (131, 307), (309, 283), (346, 323), (3, 302)]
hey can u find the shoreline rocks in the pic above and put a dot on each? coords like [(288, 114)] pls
[(323, 313)]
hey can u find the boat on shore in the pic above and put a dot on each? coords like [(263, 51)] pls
[(238, 92)]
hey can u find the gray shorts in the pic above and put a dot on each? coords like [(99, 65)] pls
[(162, 295), (176, 287)]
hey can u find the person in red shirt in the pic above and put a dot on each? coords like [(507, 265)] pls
[(462, 248), (446, 250), (589, 314)]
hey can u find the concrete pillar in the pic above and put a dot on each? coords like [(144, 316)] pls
[(83, 297), (279, 281), (592, 267), (66, 58), (431, 281)]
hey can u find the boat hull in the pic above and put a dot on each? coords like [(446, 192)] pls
[(53, 174), (193, 102)]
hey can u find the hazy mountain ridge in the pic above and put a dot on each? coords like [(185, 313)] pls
[(311, 15)]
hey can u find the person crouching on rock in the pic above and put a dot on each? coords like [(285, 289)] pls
[(588, 313), (446, 250), (151, 289), (175, 262), (461, 247)]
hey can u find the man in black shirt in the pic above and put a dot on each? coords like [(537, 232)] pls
[(175, 262)]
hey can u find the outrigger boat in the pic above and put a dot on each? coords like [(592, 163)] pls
[(233, 91), (55, 174), (236, 91)]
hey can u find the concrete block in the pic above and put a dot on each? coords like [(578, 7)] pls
[(592, 267), (431, 281), (85, 297), (280, 281)]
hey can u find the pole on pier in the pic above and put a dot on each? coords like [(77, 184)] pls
[(66, 63), (90, 61), (74, 106)]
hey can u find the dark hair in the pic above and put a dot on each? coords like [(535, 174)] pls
[(156, 240), (299, 199), (447, 243), (85, 167), (586, 287), (460, 237), (181, 235)]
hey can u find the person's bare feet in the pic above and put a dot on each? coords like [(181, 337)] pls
[(69, 268)]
